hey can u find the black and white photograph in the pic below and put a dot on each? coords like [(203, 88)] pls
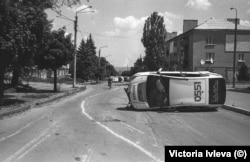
[(124, 80)]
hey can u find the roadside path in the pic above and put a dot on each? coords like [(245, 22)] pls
[(65, 90)]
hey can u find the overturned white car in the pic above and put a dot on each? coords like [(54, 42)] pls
[(167, 89)]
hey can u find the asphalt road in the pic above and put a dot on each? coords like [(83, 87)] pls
[(94, 125)]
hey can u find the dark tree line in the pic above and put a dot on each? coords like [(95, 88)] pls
[(87, 67), (26, 38), (24, 29)]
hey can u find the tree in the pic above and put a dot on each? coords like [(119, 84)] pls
[(33, 28), (18, 43), (5, 43), (20, 22), (126, 73), (243, 73), (87, 61), (154, 36), (110, 70), (57, 53), (138, 66), (91, 52), (84, 66), (106, 69), (81, 61)]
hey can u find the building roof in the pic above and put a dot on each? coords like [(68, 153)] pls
[(214, 23)]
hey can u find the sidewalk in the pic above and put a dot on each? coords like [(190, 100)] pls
[(237, 101), (65, 90)]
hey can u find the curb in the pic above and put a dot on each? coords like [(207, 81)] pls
[(236, 109), (20, 109), (27, 107), (60, 96)]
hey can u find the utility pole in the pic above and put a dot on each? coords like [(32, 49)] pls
[(235, 46), (74, 66), (99, 59), (75, 38)]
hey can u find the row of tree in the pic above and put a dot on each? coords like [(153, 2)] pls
[(24, 32), (87, 67), (27, 40)]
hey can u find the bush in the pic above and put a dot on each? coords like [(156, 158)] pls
[(243, 73)]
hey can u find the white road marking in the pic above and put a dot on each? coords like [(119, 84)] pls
[(17, 132), (130, 127), (129, 142), (30, 145), (20, 130), (86, 158), (35, 145), (146, 152), (83, 111), (154, 138)]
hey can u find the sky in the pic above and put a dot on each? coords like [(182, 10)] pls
[(116, 26)]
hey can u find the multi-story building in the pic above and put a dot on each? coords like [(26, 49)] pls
[(209, 46)]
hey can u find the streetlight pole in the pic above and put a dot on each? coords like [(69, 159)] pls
[(75, 28), (235, 46), (75, 38), (74, 66)]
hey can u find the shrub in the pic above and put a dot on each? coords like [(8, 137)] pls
[(243, 73)]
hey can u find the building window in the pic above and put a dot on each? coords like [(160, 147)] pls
[(210, 40), (175, 44), (241, 57), (210, 57)]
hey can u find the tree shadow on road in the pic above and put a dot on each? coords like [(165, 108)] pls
[(9, 101), (22, 94), (27, 89)]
